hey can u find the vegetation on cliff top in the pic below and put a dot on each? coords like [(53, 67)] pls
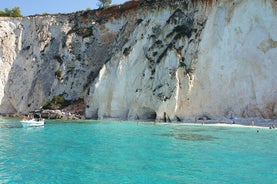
[(15, 12), (104, 3)]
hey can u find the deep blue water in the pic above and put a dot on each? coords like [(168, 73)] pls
[(129, 152)]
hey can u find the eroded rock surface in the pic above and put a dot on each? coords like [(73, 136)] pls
[(157, 60)]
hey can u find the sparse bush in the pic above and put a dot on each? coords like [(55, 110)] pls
[(182, 65), (58, 74), (56, 102), (83, 32), (104, 3), (58, 58)]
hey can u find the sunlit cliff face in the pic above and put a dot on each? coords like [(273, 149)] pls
[(164, 60)]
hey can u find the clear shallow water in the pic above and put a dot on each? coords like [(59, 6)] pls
[(125, 152)]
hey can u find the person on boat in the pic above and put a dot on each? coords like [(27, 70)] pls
[(232, 118)]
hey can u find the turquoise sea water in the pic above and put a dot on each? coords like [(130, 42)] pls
[(129, 152)]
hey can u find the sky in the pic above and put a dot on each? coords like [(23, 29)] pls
[(32, 7)]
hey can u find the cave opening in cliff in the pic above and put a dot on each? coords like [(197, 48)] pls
[(146, 114)]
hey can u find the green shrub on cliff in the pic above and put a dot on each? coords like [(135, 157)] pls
[(15, 12), (59, 74), (58, 58), (58, 102), (82, 31), (55, 103)]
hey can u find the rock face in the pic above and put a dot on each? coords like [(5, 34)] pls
[(163, 60)]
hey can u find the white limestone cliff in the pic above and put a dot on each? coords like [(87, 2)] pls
[(163, 60)]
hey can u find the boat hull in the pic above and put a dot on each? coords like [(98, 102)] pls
[(32, 123)]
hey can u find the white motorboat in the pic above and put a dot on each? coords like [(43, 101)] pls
[(32, 122)]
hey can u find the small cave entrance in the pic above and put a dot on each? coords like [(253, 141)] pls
[(146, 114)]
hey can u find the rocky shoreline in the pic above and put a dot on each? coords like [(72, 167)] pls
[(255, 122), (59, 114), (49, 114)]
